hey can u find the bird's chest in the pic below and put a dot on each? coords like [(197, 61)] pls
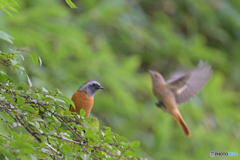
[(82, 101), (165, 95), (162, 92)]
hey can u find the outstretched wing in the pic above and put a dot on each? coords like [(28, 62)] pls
[(185, 86)]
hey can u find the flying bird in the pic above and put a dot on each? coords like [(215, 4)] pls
[(179, 89)]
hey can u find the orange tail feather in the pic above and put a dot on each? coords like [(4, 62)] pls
[(182, 124)]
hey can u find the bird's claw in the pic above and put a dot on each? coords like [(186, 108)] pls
[(161, 105)]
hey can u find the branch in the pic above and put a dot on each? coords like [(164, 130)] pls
[(60, 118), (5, 136), (28, 128), (80, 150), (6, 121), (53, 149)]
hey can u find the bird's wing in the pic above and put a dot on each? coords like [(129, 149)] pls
[(187, 85)]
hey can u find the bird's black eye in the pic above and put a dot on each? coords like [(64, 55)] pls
[(156, 75), (95, 85)]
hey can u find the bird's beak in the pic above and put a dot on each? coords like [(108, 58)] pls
[(101, 87), (149, 71)]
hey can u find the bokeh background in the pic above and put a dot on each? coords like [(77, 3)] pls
[(115, 42)]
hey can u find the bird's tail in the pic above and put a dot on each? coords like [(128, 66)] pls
[(182, 124)]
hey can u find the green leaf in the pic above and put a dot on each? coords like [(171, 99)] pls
[(79, 127), (3, 76), (50, 97), (34, 59), (118, 137), (8, 97), (37, 125), (57, 91), (3, 149), (71, 4), (34, 95), (6, 37), (97, 154), (34, 114), (130, 153), (82, 112), (28, 108), (19, 55), (44, 90), (107, 140), (25, 85), (60, 100), (29, 81), (66, 148), (125, 144), (6, 11), (67, 111), (33, 157), (37, 119), (40, 61), (91, 135), (2, 57), (69, 100), (9, 130), (58, 124), (93, 121), (135, 144), (13, 62), (19, 66), (20, 100), (26, 148), (39, 96), (42, 145)]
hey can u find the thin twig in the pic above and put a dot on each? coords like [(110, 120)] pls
[(80, 150), (28, 128), (6, 121), (53, 149), (5, 136)]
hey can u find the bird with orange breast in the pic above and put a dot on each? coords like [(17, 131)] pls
[(84, 97), (179, 89)]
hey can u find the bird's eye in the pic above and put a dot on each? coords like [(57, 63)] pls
[(95, 85), (156, 75)]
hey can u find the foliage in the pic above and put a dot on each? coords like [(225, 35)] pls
[(8, 4), (39, 124), (6, 37), (115, 42)]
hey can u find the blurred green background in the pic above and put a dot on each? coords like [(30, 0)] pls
[(115, 42)]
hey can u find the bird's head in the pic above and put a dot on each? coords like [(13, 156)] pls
[(156, 77), (90, 87)]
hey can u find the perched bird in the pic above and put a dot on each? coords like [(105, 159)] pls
[(179, 89), (84, 97)]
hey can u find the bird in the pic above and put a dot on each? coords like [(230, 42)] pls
[(180, 88), (83, 98)]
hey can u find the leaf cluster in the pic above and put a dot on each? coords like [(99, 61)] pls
[(39, 124), (11, 5)]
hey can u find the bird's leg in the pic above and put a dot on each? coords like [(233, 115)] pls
[(161, 105)]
